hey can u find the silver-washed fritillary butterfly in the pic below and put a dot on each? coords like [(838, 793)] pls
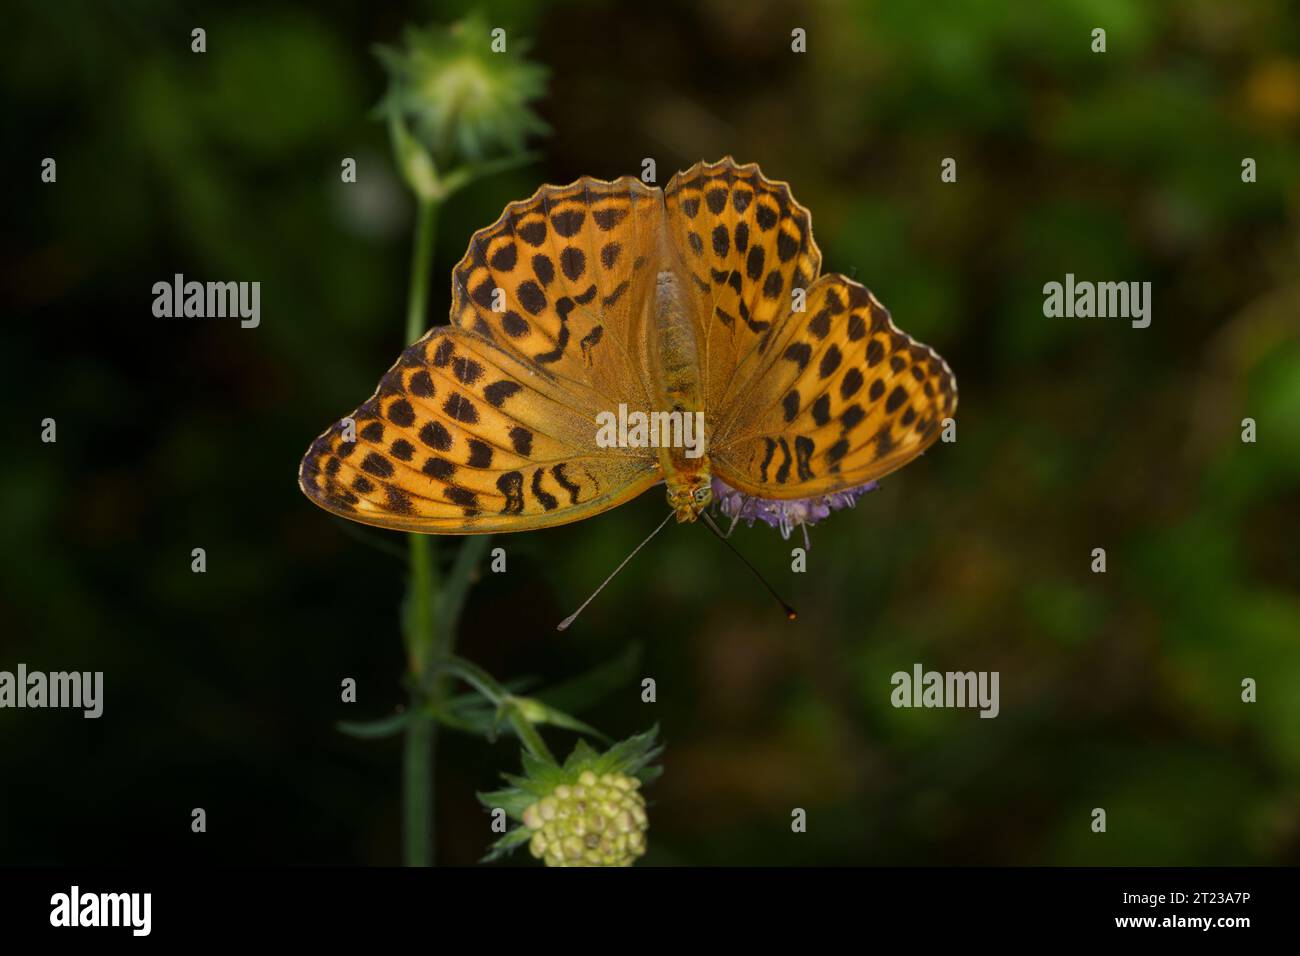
[(598, 295)]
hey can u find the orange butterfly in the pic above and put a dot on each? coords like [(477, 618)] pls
[(615, 297)]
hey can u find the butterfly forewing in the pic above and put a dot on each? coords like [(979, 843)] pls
[(556, 281), (747, 246), (490, 424)]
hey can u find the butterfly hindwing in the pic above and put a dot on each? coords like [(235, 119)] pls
[(837, 397)]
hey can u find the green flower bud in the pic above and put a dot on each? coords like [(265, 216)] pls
[(572, 830), (588, 811), (457, 97)]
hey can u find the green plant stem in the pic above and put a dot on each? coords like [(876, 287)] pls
[(417, 297), (529, 737), (433, 608), (420, 750), (419, 744)]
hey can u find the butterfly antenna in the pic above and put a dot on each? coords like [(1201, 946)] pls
[(574, 616), (790, 612)]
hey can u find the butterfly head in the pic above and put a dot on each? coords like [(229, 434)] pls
[(690, 494)]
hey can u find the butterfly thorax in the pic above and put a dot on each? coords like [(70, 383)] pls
[(678, 389)]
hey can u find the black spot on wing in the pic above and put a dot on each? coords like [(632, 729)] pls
[(783, 471), (534, 233), (439, 468), (821, 410), (790, 405), (505, 257), (435, 435), (800, 353), (498, 392), (896, 399), (421, 384), (544, 269), (480, 454), (614, 296), (803, 450), (461, 496), (516, 325), (773, 285), (607, 219), (768, 450), (511, 484), (521, 439), (531, 296), (721, 241), (461, 409), (562, 479), (569, 222), (557, 353), (573, 263), (545, 498), (466, 370), (830, 362), (377, 465)]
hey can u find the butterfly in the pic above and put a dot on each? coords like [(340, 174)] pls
[(703, 298)]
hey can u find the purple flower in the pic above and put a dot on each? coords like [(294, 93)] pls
[(784, 514)]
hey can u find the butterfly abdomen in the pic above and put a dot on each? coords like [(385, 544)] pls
[(675, 350), (678, 389)]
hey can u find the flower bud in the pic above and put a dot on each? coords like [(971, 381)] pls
[(573, 830)]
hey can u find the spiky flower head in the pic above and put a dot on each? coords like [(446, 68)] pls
[(588, 812), (459, 94)]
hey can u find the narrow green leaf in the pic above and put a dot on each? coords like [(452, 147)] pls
[(526, 785), (588, 689), (546, 775), (629, 756), (582, 754), (513, 801), (508, 844), (536, 712)]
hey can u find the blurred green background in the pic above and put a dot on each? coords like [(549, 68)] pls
[(1119, 690)]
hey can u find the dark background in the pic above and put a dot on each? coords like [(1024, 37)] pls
[(1119, 690)]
